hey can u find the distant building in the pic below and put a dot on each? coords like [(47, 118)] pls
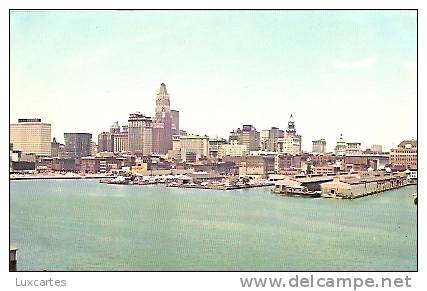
[(140, 134), (120, 142), (376, 148), (264, 137), (93, 149), (58, 149), (115, 128), (319, 146), (247, 136), (31, 136), (292, 141), (233, 150), (272, 140), (341, 147), (175, 121), (257, 166), (194, 145), (162, 124), (215, 145), (78, 144), (353, 148), (405, 155), (106, 142)]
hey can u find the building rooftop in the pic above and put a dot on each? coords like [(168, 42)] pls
[(404, 143)]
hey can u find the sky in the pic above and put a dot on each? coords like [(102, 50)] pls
[(349, 72)]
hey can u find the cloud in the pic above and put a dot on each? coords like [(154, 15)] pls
[(358, 64)]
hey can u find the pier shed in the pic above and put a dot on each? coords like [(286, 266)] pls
[(354, 187)]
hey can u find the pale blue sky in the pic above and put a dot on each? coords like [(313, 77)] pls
[(350, 72)]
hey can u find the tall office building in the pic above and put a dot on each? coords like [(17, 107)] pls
[(175, 121), (247, 136), (319, 146), (115, 128), (31, 136), (140, 134), (162, 125), (120, 142), (292, 141), (78, 144), (105, 142), (272, 140)]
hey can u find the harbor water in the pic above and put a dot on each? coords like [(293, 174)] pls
[(82, 225)]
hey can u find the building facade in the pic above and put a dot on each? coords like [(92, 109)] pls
[(215, 145), (31, 136), (247, 136), (233, 150), (272, 140), (194, 144), (175, 121), (120, 142), (376, 148), (405, 155), (353, 148), (140, 134), (78, 144), (319, 146), (105, 142)]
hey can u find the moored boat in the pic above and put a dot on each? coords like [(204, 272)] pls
[(296, 191)]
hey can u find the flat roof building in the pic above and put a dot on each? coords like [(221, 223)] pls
[(78, 144), (31, 136)]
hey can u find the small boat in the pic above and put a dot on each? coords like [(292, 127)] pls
[(331, 195), (296, 191)]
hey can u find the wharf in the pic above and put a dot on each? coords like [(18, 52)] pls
[(220, 187)]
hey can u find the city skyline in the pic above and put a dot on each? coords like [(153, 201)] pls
[(333, 72)]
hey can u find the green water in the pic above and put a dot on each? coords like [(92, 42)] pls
[(84, 225)]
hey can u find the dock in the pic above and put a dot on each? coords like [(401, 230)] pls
[(222, 186)]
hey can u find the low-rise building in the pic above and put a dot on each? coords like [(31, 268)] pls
[(353, 148), (232, 150), (257, 166), (193, 147)]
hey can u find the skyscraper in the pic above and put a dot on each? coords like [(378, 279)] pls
[(140, 133), (105, 142), (247, 136), (78, 144), (162, 125), (175, 121)]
